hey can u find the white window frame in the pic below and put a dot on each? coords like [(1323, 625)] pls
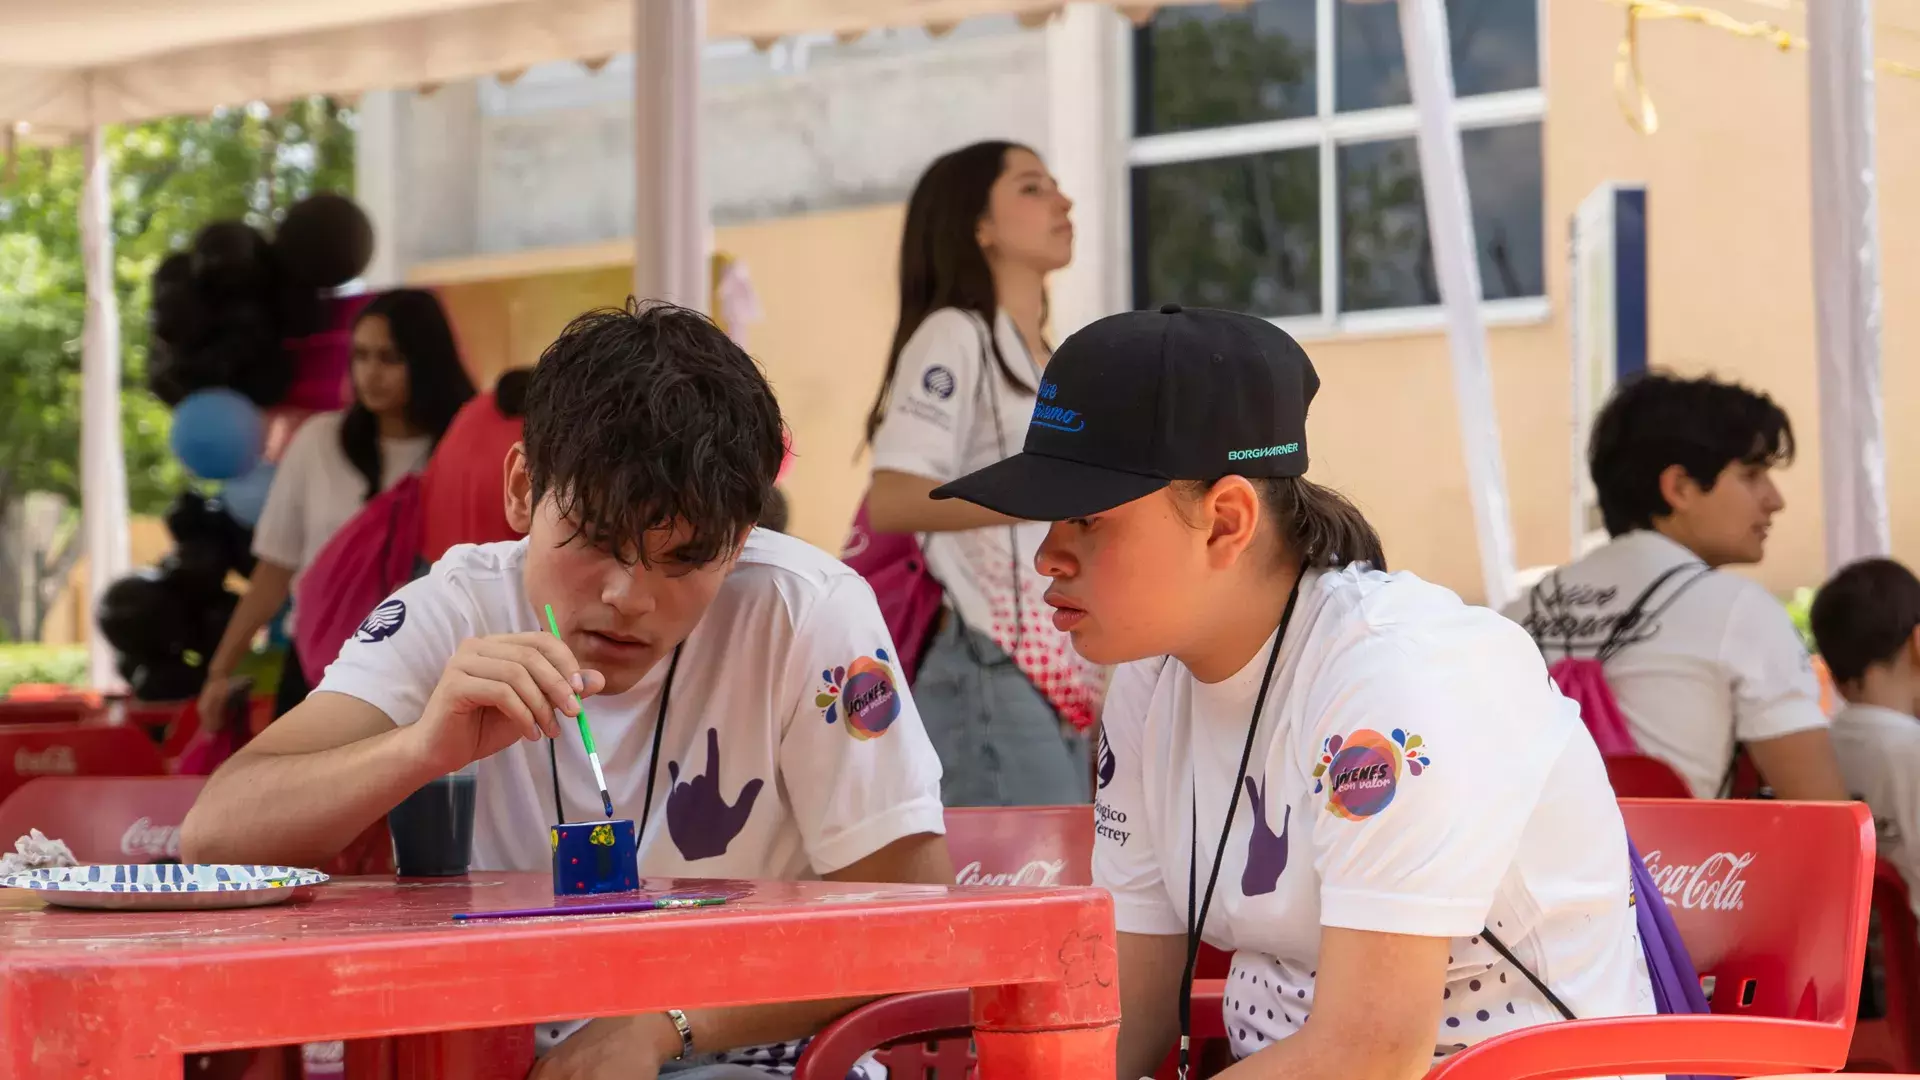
[(1328, 129)]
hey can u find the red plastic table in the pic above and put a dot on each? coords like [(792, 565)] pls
[(122, 996)]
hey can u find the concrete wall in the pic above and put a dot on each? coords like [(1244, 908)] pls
[(812, 126)]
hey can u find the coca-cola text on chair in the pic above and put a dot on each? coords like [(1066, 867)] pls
[(1771, 899)]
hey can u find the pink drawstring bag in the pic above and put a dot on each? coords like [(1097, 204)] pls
[(909, 595), (1583, 679), (373, 554)]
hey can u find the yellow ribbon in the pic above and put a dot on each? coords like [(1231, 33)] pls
[(1630, 85)]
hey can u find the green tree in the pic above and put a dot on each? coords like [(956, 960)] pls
[(170, 177)]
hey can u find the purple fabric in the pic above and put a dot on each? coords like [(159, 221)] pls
[(1676, 984)]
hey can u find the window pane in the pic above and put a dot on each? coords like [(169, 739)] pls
[(1503, 188), (1385, 258), (1202, 67), (1495, 46), (1240, 233)]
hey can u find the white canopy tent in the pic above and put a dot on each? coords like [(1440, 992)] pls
[(68, 68)]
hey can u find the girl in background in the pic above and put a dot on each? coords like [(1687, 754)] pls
[(1002, 693), (408, 383)]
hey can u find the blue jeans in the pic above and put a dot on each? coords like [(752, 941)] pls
[(999, 740)]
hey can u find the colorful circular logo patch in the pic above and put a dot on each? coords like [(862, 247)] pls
[(863, 692), (1363, 775), (1361, 771)]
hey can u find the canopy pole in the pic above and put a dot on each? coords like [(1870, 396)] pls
[(670, 225), (1423, 30), (103, 471), (1846, 280)]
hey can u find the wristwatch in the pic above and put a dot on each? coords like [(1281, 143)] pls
[(686, 1033)]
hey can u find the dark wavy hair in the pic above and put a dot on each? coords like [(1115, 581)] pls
[(941, 264), (642, 417), (1864, 615), (437, 384), (1660, 420)]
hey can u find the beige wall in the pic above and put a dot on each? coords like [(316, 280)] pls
[(1730, 282), (826, 286)]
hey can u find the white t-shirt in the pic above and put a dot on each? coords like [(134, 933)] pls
[(316, 490), (797, 795), (1442, 786), (800, 787), (951, 412), (1879, 752), (1714, 659)]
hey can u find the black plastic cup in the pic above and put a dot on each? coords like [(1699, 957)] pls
[(433, 828)]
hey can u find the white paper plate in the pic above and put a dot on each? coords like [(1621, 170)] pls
[(169, 887)]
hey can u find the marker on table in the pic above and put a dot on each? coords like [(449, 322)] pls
[(619, 907), (586, 733)]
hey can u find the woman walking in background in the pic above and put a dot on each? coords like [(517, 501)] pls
[(407, 384), (1004, 697)]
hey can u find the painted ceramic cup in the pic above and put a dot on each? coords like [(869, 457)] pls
[(594, 857)]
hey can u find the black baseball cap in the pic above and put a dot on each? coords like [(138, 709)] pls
[(1135, 401)]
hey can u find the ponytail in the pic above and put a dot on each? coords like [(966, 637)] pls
[(1323, 527)]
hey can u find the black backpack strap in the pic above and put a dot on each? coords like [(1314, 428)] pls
[(1617, 637), (1507, 955)]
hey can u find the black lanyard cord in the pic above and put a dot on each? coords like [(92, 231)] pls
[(653, 768), (1196, 926)]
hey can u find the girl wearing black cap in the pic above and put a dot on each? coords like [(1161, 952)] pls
[(1002, 692), (1367, 790)]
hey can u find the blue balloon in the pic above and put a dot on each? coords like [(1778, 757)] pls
[(246, 497), (217, 434)]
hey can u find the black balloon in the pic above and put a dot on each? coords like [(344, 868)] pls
[(232, 261), (140, 616), (167, 680), (324, 241), (169, 379), (177, 314)]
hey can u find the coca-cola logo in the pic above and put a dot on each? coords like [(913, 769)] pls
[(1712, 884), (1037, 872), (143, 837), (52, 761)]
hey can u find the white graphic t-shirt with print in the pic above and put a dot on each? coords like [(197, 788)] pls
[(791, 749), (952, 411), (1714, 659), (1413, 772)]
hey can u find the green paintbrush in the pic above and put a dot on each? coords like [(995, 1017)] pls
[(586, 733)]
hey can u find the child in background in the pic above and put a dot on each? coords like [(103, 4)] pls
[(464, 487), (1867, 623)]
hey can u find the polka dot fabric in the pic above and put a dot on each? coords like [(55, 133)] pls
[(1265, 1001)]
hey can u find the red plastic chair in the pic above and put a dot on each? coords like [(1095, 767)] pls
[(1772, 899), (34, 709), (1887, 1044), (1637, 776), (926, 1035), (104, 819), (34, 750)]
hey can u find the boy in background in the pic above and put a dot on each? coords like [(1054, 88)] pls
[(1866, 620), (1707, 661)]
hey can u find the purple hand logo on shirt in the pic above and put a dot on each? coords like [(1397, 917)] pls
[(699, 818), (1266, 853)]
